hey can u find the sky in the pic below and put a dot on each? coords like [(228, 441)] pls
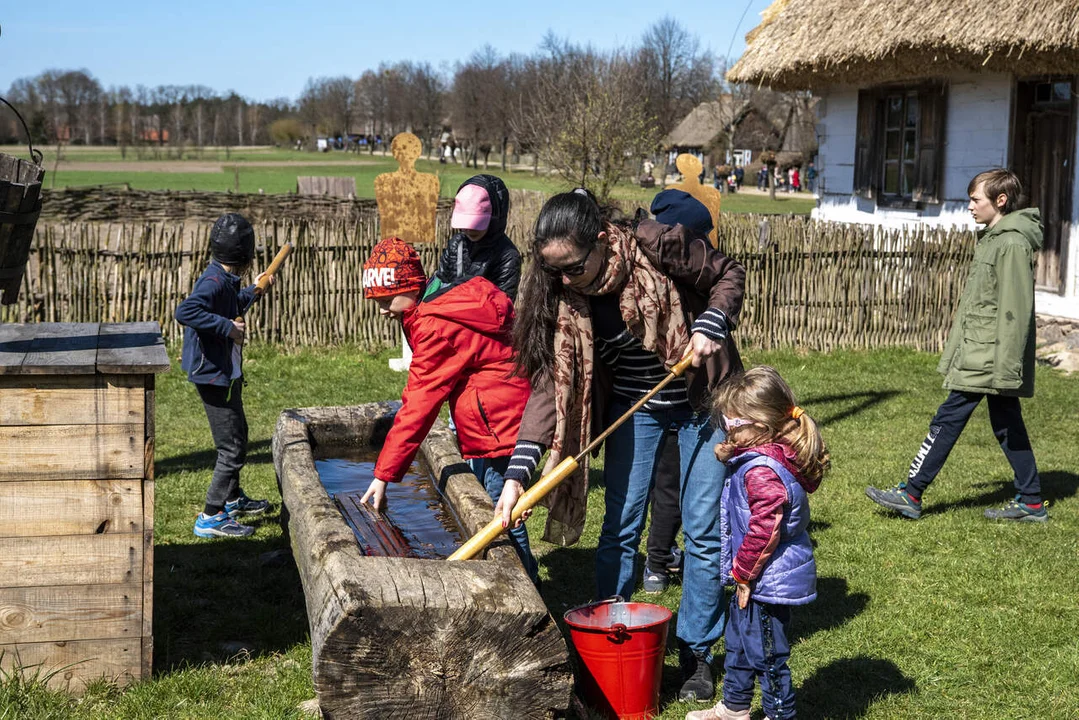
[(269, 49)]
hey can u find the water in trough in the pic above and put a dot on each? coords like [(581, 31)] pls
[(420, 525)]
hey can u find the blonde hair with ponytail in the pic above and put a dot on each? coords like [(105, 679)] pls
[(761, 396)]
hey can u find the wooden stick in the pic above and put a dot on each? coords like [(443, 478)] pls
[(275, 265), (476, 544)]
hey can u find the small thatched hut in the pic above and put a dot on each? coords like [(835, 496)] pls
[(916, 98)]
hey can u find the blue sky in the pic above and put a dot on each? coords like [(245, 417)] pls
[(269, 49)]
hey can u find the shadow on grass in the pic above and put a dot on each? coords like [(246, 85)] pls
[(1056, 486), (867, 400), (215, 599), (845, 689), (258, 451), (834, 606)]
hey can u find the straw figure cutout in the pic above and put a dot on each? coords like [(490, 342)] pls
[(407, 200)]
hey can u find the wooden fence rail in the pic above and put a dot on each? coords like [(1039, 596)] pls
[(810, 285)]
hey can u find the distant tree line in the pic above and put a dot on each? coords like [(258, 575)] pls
[(589, 115)]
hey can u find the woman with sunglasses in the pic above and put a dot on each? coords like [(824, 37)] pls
[(608, 306)]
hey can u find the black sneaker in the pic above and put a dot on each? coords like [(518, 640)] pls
[(897, 499), (697, 681), (654, 582), (1019, 511)]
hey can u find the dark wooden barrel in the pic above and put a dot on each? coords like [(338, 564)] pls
[(20, 205)]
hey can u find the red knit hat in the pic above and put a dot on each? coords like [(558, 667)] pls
[(393, 268)]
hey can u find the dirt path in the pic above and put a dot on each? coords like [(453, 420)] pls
[(196, 166)]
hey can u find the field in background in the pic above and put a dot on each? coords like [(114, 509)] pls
[(274, 170)]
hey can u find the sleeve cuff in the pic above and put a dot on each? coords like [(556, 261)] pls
[(713, 324)]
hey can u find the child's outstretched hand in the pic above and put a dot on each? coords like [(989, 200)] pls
[(741, 591), (239, 329), (270, 279), (376, 492)]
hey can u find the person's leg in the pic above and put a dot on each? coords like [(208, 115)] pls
[(776, 690), (739, 675), (944, 430), (240, 439), (666, 513), (228, 428), (491, 472), (700, 615), (628, 468), (1006, 417)]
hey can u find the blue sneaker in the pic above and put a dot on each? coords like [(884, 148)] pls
[(244, 505), (1019, 511), (896, 499), (220, 525)]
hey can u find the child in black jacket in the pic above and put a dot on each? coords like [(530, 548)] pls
[(212, 356), (479, 246)]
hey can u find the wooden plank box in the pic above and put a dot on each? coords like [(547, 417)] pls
[(396, 637), (77, 501)]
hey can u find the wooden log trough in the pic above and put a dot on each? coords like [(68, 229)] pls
[(401, 637)]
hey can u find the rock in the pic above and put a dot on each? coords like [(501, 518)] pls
[(1067, 362), (1048, 350), (1072, 341), (1049, 334), (310, 708)]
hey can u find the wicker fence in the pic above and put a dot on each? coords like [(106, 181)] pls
[(810, 285)]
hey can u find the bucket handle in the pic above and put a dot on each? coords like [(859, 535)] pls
[(611, 599), (35, 155), (618, 634)]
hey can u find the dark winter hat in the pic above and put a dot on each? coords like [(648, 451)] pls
[(677, 207), (232, 240)]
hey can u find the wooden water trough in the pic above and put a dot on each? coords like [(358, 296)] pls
[(399, 637)]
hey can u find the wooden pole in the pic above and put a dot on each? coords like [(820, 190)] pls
[(475, 545), (275, 265)]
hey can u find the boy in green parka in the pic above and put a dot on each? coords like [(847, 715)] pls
[(989, 354)]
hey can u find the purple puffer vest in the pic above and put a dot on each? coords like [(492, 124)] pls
[(790, 577)]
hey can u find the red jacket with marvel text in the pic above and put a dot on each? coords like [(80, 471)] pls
[(461, 352)]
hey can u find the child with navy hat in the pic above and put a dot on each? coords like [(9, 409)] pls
[(212, 358)]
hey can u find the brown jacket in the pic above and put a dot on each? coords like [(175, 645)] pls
[(705, 278)]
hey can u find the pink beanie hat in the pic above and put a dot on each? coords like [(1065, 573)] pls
[(471, 209)]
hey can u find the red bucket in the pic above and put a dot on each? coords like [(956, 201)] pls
[(621, 646)]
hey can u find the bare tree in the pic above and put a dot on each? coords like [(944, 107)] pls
[(676, 76)]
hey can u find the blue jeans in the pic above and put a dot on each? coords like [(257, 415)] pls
[(491, 472), (630, 456)]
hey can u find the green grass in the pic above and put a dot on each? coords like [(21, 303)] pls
[(949, 616), (238, 175)]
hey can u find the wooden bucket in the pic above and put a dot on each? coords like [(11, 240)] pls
[(20, 205)]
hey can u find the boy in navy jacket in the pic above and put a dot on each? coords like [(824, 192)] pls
[(212, 358)]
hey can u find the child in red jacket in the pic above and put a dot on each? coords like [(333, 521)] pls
[(463, 353)]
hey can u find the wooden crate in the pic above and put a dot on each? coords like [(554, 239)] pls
[(77, 499)]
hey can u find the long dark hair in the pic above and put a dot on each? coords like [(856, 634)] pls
[(575, 217)]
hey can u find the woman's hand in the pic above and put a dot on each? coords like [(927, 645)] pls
[(270, 280), (702, 348), (376, 492), (511, 493), (742, 593)]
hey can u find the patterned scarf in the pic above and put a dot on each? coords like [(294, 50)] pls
[(652, 310)]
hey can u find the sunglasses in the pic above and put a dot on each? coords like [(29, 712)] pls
[(575, 269)]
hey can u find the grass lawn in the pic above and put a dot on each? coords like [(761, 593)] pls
[(949, 616), (274, 170)]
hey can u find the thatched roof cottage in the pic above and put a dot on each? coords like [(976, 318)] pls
[(916, 98)]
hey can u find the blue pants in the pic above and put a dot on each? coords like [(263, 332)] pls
[(757, 646), (491, 472), (1005, 416), (630, 458)]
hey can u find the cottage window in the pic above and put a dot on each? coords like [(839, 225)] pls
[(900, 144)]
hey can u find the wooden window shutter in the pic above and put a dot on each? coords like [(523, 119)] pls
[(932, 101), (866, 150)]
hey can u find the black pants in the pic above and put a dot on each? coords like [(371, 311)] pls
[(228, 425), (1005, 416), (666, 510)]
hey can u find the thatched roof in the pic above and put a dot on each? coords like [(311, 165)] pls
[(703, 124), (813, 43)]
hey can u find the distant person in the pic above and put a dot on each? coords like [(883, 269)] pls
[(762, 178), (796, 179), (479, 246), (780, 179), (989, 354), (462, 354), (717, 181), (775, 458), (811, 178), (739, 176), (212, 357)]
